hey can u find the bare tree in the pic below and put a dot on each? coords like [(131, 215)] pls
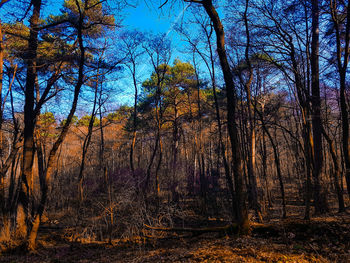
[(158, 50), (132, 43), (241, 211), (342, 58), (319, 198)]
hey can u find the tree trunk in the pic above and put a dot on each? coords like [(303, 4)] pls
[(319, 198), (53, 152), (175, 150), (222, 148), (336, 172), (277, 163), (86, 144), (241, 211), (134, 132), (24, 225), (302, 94), (1, 84), (342, 69), (251, 131)]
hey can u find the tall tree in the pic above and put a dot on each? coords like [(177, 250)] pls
[(78, 17), (319, 201), (159, 52), (241, 211), (132, 43), (251, 136), (207, 54), (26, 186), (1, 85), (340, 14)]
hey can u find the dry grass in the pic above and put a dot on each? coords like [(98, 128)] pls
[(320, 240)]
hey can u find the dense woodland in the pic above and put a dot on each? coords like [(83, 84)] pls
[(243, 117)]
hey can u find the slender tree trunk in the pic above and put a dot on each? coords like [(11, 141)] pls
[(102, 163), (342, 63), (157, 145), (157, 186), (102, 139), (303, 94), (308, 159), (279, 172), (175, 151), (223, 150), (15, 159), (264, 169), (211, 69), (5, 206), (241, 213), (336, 172), (277, 163), (86, 144), (134, 132), (345, 130), (251, 131), (153, 155), (1, 84), (198, 141)]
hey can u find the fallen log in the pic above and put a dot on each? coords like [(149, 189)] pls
[(228, 229)]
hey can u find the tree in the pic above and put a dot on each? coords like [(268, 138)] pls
[(158, 50), (209, 60), (241, 212), (79, 17), (340, 15), (251, 136), (26, 188), (178, 85), (319, 201), (281, 39), (132, 44)]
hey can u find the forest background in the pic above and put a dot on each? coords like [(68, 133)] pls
[(121, 116)]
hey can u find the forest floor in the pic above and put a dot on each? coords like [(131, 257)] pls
[(322, 239)]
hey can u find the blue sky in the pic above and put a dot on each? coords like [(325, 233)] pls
[(149, 18), (141, 15), (145, 17)]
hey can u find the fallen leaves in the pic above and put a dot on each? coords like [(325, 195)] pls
[(286, 241)]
